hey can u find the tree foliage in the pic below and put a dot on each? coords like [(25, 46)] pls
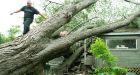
[(101, 51), (102, 13), (12, 34), (135, 23), (2, 38)]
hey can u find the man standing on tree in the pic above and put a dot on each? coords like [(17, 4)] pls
[(29, 13)]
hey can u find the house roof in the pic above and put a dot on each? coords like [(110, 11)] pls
[(125, 31)]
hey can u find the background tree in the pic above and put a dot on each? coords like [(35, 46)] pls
[(13, 31), (2, 38), (12, 34)]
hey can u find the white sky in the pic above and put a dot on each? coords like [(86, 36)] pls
[(8, 6)]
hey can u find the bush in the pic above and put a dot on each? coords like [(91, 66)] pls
[(101, 51)]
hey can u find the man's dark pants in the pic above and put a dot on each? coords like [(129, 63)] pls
[(27, 22)]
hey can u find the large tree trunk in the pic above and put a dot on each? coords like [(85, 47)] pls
[(37, 47), (37, 70), (66, 65), (22, 54)]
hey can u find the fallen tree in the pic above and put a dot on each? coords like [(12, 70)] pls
[(38, 47)]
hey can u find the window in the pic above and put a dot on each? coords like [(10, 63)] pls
[(123, 44)]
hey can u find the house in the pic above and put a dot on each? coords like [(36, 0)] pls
[(125, 45)]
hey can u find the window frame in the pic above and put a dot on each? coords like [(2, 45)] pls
[(122, 38)]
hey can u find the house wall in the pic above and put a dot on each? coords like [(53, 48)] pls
[(127, 58)]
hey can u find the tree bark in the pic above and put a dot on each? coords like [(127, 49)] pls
[(66, 65), (68, 62), (22, 54), (37, 70)]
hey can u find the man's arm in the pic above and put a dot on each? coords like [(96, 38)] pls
[(37, 12), (15, 12), (42, 15)]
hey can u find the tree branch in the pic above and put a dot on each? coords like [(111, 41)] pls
[(132, 2), (79, 35)]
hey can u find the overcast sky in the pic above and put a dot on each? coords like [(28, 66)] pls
[(8, 6)]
